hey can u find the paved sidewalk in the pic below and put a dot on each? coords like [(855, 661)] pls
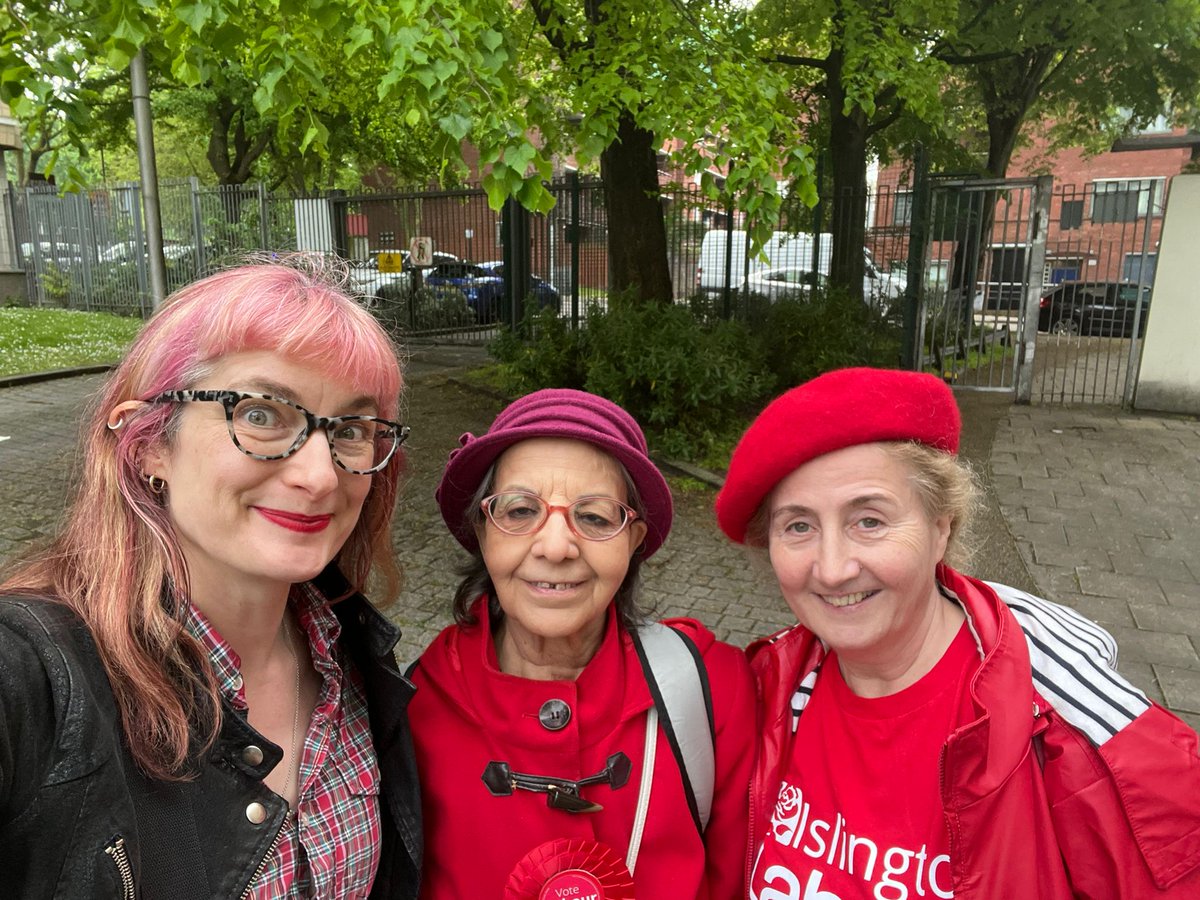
[(1105, 509), (1088, 506)]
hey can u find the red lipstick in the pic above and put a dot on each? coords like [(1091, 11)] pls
[(295, 521)]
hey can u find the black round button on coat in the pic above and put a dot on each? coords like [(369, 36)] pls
[(554, 715)]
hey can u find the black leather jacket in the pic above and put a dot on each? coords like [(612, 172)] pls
[(78, 821)]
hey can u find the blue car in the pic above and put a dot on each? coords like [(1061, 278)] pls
[(483, 286)]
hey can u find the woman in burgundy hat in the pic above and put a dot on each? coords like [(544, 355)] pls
[(926, 734), (568, 748)]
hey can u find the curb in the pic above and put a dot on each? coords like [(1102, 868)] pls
[(35, 377)]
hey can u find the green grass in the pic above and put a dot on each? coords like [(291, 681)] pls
[(40, 340)]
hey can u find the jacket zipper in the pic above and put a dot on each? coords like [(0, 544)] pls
[(752, 843), (116, 850), (263, 862)]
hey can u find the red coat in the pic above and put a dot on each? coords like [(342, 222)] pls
[(467, 713), (1068, 783)]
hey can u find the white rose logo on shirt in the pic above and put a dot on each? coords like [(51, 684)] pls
[(787, 813)]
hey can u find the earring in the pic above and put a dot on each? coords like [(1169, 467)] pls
[(157, 485), (114, 426)]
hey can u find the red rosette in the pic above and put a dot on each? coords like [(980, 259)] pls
[(570, 869)]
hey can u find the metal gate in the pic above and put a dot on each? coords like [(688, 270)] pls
[(985, 253), (83, 250), (1040, 290), (1099, 268)]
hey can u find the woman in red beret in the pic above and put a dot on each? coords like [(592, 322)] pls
[(568, 748), (927, 734)]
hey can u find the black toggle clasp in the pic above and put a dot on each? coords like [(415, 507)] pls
[(561, 793)]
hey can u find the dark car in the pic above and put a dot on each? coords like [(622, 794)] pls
[(483, 286), (1095, 308)]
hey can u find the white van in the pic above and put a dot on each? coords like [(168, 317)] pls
[(782, 250)]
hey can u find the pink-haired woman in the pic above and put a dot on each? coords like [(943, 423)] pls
[(195, 698)]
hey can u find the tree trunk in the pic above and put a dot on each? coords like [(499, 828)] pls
[(1008, 89), (848, 155), (231, 151), (637, 237)]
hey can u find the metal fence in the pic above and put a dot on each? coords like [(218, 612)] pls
[(963, 262), (1029, 287), (87, 250)]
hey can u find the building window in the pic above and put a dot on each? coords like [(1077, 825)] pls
[(1135, 270), (902, 208), (1071, 215), (1126, 200)]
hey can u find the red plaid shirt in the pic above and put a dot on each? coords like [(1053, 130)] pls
[(330, 848)]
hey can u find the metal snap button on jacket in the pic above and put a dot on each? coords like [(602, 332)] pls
[(256, 813), (252, 755), (554, 715)]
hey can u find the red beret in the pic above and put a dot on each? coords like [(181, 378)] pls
[(832, 411)]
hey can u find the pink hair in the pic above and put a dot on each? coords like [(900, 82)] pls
[(117, 561)]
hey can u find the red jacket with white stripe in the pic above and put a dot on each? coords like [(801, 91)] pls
[(1068, 782)]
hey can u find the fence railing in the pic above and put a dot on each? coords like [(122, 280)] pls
[(87, 250)]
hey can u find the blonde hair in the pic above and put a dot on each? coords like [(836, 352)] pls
[(117, 561)]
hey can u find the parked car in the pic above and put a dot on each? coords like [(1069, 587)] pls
[(374, 286), (483, 286), (61, 253), (781, 250), (127, 251), (1096, 308), (785, 281)]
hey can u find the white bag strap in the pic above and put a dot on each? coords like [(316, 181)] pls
[(678, 683), (639, 820)]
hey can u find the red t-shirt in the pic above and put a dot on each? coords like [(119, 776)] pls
[(859, 813)]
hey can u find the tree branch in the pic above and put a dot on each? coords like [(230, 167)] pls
[(807, 62)]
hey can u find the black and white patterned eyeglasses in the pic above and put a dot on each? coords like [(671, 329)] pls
[(266, 427)]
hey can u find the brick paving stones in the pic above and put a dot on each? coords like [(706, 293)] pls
[(1113, 529)]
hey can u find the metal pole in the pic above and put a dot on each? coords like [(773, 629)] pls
[(573, 237), (918, 248), (264, 218), (1039, 227), (726, 310), (818, 217), (197, 225), (1135, 334), (143, 124)]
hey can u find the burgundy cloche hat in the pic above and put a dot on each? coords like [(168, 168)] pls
[(839, 409), (556, 413)]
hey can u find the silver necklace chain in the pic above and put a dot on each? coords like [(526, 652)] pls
[(294, 768)]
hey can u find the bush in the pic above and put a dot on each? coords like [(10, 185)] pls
[(805, 336), (689, 383), (553, 356), (400, 309), (691, 378)]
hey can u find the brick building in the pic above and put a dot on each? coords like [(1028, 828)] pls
[(1106, 211)]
